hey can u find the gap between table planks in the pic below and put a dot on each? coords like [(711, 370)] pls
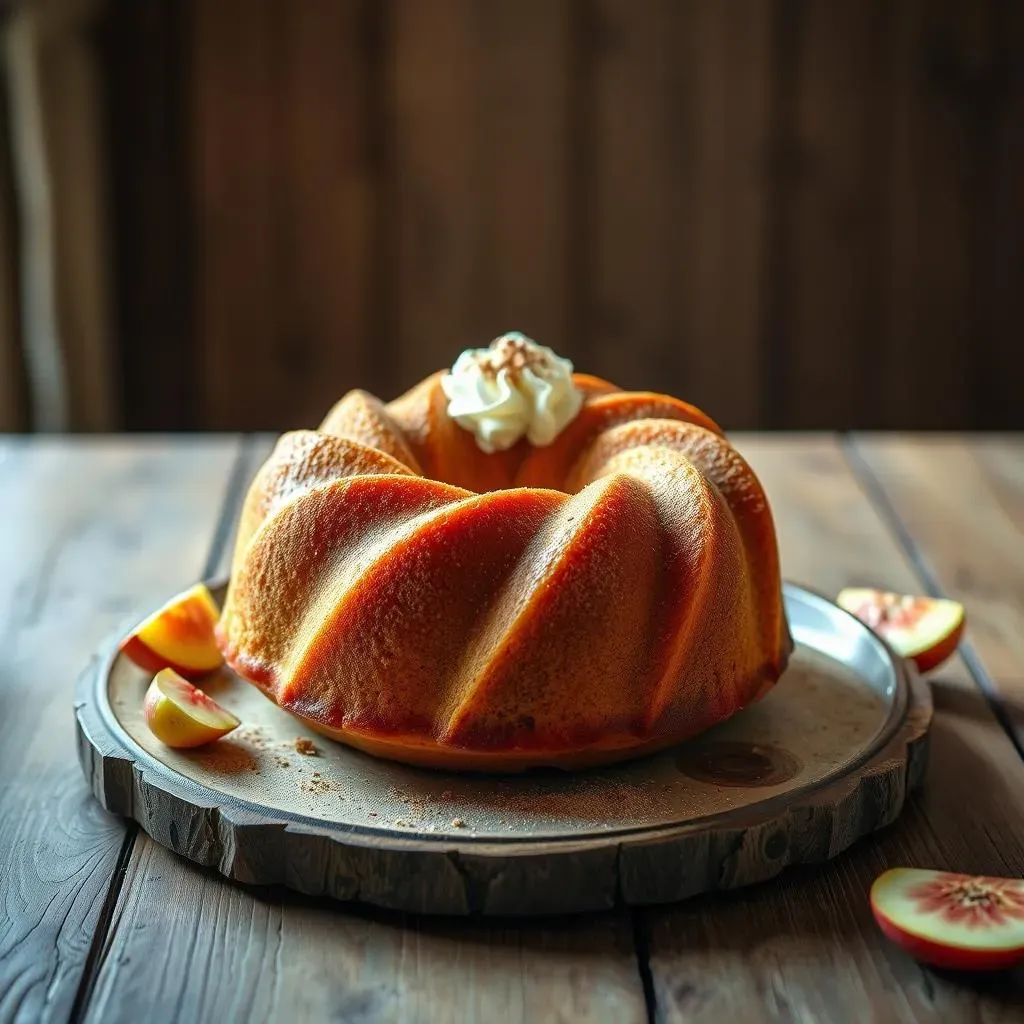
[(90, 531), (960, 504), (806, 947), (183, 941)]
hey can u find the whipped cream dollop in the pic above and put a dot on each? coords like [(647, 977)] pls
[(514, 388)]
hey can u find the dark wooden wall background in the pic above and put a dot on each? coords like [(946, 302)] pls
[(799, 213)]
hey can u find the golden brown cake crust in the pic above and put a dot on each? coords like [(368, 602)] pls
[(603, 596)]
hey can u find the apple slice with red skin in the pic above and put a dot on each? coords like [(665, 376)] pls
[(957, 922), (181, 715), (924, 629), (179, 635)]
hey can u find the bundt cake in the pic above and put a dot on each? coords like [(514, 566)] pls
[(511, 565)]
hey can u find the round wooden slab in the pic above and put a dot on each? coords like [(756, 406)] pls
[(827, 757)]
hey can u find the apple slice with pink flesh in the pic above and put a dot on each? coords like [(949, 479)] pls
[(958, 922), (924, 629), (179, 635), (181, 715)]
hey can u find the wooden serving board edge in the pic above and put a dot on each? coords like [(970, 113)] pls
[(269, 847)]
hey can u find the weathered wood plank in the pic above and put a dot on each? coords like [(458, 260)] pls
[(285, 201), (153, 260), (806, 947), (833, 214), (187, 946), (477, 155), (59, 167), (330, 194), (433, 188), (235, 183), (931, 197), (633, 194), (881, 194), (674, 187), (962, 502), (722, 276), (525, 142), (996, 94), (89, 532)]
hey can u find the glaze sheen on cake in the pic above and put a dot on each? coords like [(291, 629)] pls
[(608, 593)]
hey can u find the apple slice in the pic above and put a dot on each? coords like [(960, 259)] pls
[(179, 635), (181, 715), (959, 922), (925, 629)]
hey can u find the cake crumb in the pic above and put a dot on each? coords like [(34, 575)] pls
[(282, 762), (304, 746), (458, 823), (318, 784), (252, 735)]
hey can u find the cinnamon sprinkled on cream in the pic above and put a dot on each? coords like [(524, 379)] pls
[(514, 388)]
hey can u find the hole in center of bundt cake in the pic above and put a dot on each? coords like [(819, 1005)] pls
[(464, 465)]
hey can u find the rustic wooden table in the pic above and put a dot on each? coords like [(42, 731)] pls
[(100, 924)]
